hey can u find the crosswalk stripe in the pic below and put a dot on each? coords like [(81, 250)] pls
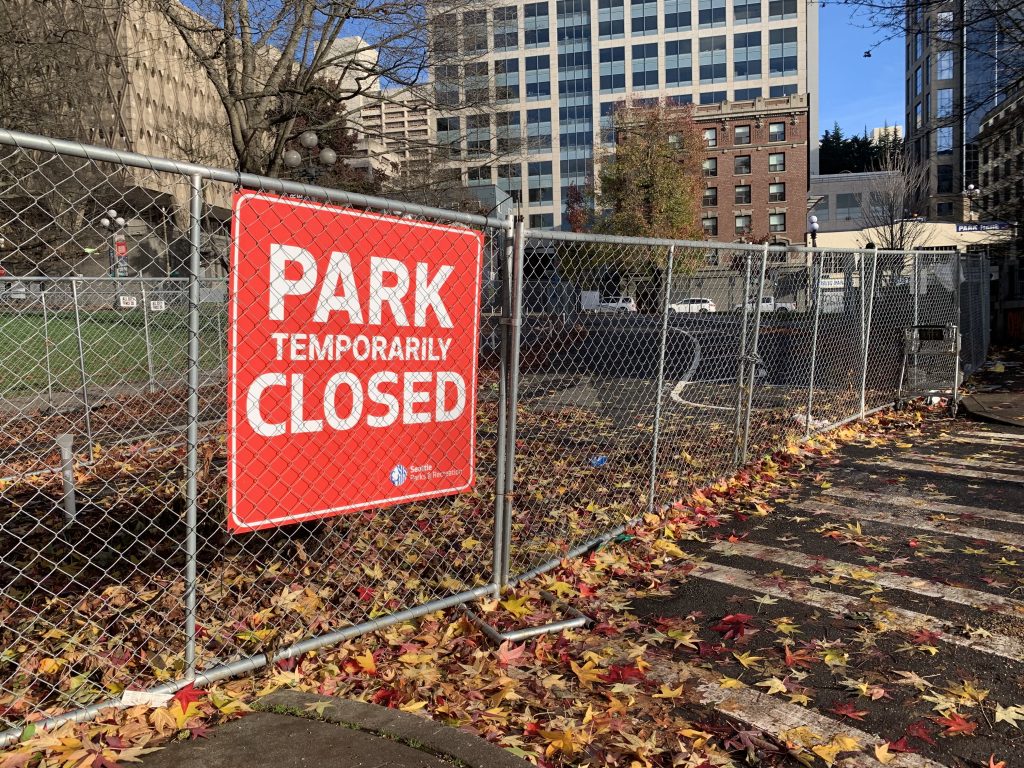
[(925, 505), (969, 461), (959, 471), (918, 522), (888, 617), (1013, 437), (992, 443), (961, 595)]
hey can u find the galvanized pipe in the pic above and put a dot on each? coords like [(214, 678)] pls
[(814, 345), (192, 436), (752, 371), (46, 348), (661, 380), (81, 364)]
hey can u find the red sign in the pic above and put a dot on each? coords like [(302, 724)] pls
[(353, 361), (121, 248)]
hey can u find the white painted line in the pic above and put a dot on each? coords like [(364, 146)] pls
[(886, 617), (905, 520), (1014, 437), (959, 471), (861, 574), (991, 442), (926, 505), (972, 462)]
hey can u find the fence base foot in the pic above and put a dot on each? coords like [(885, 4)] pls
[(516, 635)]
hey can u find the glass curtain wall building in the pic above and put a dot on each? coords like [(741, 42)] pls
[(559, 68)]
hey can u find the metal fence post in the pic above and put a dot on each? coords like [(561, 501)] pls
[(816, 277), (149, 346), (959, 324), (500, 568), (515, 333), (752, 357), (867, 305), (741, 367), (192, 437), (46, 345), (81, 364), (661, 378)]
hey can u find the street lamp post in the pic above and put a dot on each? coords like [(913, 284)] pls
[(813, 227), (309, 165), (117, 250), (971, 193)]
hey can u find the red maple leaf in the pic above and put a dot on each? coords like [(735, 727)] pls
[(622, 674), (918, 731), (847, 709), (925, 636), (198, 731), (901, 745), (800, 658), (509, 654), (733, 626), (187, 695), (956, 724)]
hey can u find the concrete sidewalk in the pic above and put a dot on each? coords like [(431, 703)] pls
[(300, 730), (997, 394)]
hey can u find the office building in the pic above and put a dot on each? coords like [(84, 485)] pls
[(556, 71)]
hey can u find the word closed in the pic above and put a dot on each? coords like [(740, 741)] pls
[(353, 361)]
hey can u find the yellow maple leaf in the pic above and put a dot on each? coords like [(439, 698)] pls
[(413, 706), (730, 682), (883, 755), (367, 663), (668, 547), (669, 693), (829, 752), (773, 684), (516, 606), (587, 674), (559, 741), (747, 659)]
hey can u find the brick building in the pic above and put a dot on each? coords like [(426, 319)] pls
[(756, 169)]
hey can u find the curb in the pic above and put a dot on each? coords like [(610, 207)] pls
[(421, 733), (978, 410)]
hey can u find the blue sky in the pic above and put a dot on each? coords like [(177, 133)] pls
[(855, 91)]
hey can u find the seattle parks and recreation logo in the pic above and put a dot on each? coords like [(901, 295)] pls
[(399, 475)]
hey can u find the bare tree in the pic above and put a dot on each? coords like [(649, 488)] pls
[(889, 212)]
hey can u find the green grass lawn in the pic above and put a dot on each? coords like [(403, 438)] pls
[(114, 343)]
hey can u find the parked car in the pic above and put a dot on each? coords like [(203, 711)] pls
[(694, 305), (768, 304), (616, 304)]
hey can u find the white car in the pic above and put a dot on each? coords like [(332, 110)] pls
[(768, 304), (694, 305), (616, 304)]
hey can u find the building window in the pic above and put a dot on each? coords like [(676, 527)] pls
[(510, 179), (713, 97), (944, 140), (782, 52), (711, 137), (746, 11), (644, 17), (741, 165), (542, 221), (944, 102), (712, 61), (539, 182), (479, 176), (538, 77), (777, 192), (944, 210), (918, 45), (710, 198), (509, 132), (710, 225), (613, 70), (944, 65), (944, 176), (610, 19), (776, 131), (743, 194), (538, 128), (746, 94), (679, 100), (746, 55), (645, 66), (741, 135), (477, 83), (918, 115), (742, 225), (781, 9), (710, 166), (710, 13), (944, 25), (446, 85), (847, 206), (678, 63), (536, 23), (506, 80), (777, 162), (776, 222), (448, 134), (677, 15), (506, 28), (779, 91), (474, 31), (478, 136), (918, 82)]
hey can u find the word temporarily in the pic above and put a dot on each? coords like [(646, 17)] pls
[(309, 346)]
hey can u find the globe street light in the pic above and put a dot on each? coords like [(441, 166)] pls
[(971, 193), (814, 231), (311, 167)]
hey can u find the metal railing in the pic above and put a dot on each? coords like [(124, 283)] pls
[(116, 570)]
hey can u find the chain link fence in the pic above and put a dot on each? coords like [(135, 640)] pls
[(614, 374)]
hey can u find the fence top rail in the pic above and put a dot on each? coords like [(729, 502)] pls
[(826, 250), (38, 143), (105, 279)]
